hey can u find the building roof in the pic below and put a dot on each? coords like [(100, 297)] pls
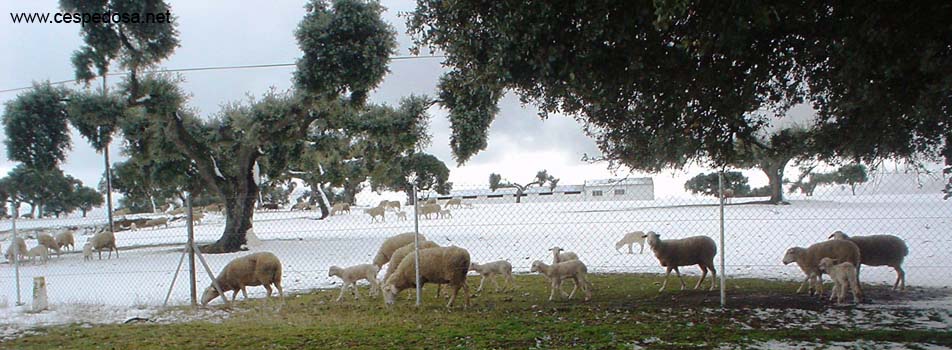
[(628, 181)]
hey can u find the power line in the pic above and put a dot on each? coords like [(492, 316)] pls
[(212, 68)]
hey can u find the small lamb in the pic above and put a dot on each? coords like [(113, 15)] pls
[(40, 251), (402, 215), (491, 269), (843, 276), (631, 238), (375, 212), (88, 251), (351, 275), (556, 273), (445, 214)]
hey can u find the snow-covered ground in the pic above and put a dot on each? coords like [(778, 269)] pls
[(756, 236)]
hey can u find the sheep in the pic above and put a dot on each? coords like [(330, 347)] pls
[(672, 253), (214, 207), (844, 275), (155, 223), (351, 275), (558, 272), (88, 251), (445, 214), (270, 206), (402, 215), (430, 201), (65, 239), (808, 260), (558, 255), (402, 252), (631, 238), (467, 205), (491, 269), (392, 244), (41, 251), (340, 208), (20, 246), (447, 265), (395, 205), (105, 240), (454, 202), (121, 212), (258, 269), (427, 209), (305, 206), (49, 242), (880, 250), (375, 212), (196, 218)]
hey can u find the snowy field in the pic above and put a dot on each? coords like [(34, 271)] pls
[(756, 237)]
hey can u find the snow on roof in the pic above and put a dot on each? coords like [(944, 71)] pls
[(631, 181), (510, 191)]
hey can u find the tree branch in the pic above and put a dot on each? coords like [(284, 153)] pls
[(196, 151)]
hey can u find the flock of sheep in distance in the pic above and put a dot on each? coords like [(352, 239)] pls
[(840, 257)]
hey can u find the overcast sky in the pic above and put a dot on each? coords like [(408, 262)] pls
[(218, 33)]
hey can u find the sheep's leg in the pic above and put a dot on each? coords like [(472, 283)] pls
[(703, 274), (554, 284), (680, 278), (481, 282), (808, 279), (900, 279), (575, 278), (833, 292), (665, 283), (356, 291), (267, 288), (713, 275), (629, 249), (244, 292), (496, 282), (453, 295), (374, 285), (343, 288), (512, 281), (642, 244)]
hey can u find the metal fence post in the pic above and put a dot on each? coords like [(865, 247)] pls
[(191, 251), (720, 187), (416, 243), (16, 251)]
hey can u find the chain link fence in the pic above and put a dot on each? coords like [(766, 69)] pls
[(589, 219)]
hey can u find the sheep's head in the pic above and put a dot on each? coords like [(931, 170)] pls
[(652, 238), (556, 250), (536, 266), (333, 271), (389, 293), (473, 266), (792, 254), (839, 235), (210, 294), (826, 264)]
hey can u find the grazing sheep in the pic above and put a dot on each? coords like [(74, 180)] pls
[(20, 246), (402, 252), (427, 209), (305, 206), (178, 211), (65, 239), (402, 215), (631, 238), (844, 275), (215, 207), (375, 212), (392, 244), (197, 218), (105, 240), (156, 223), (556, 273), (88, 251), (41, 251), (880, 250), (258, 269), (49, 242), (270, 206), (468, 205), (457, 202), (340, 208), (447, 265), (352, 274), (808, 259), (395, 205), (430, 201), (672, 253), (491, 269), (445, 214)]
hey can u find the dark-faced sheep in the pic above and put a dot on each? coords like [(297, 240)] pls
[(672, 253), (258, 269)]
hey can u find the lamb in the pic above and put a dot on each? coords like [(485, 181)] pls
[(88, 251), (447, 265), (105, 240), (352, 274), (156, 223), (844, 275), (427, 209), (880, 250), (20, 246), (631, 238), (491, 269), (402, 252), (258, 269), (41, 251), (65, 239), (375, 212), (392, 244), (445, 214), (672, 253), (558, 255), (340, 208), (49, 242), (454, 202), (402, 215), (808, 259), (558, 272), (395, 205)]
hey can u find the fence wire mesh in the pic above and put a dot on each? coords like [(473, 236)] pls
[(590, 220)]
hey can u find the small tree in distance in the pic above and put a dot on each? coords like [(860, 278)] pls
[(852, 175), (707, 184), (541, 178)]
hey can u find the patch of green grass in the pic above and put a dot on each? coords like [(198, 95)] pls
[(626, 309)]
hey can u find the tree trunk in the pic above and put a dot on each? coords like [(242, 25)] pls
[(84, 212), (853, 188), (774, 172), (239, 211), (322, 203)]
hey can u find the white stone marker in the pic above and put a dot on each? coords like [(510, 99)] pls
[(40, 301)]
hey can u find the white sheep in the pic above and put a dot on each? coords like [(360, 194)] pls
[(352, 274), (560, 255), (445, 214), (631, 238), (375, 212), (20, 246), (402, 215), (844, 275), (258, 269), (65, 239), (49, 242), (556, 273), (808, 259), (88, 251), (105, 240), (673, 253), (458, 202), (491, 270), (40, 251), (880, 250), (444, 265), (397, 256), (427, 209), (392, 244)]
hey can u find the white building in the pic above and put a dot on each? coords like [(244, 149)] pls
[(591, 190)]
